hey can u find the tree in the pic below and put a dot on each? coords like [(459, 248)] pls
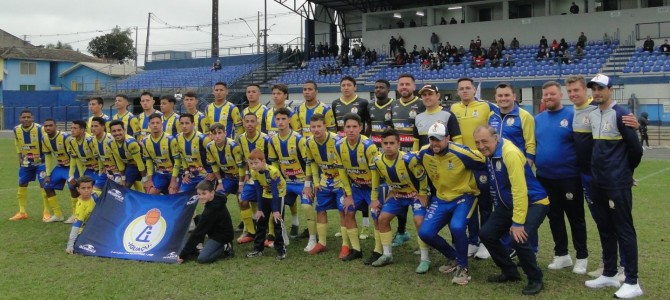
[(59, 45), (116, 45)]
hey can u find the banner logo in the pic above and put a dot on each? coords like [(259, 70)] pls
[(145, 232)]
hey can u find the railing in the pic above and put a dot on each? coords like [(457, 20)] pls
[(655, 30)]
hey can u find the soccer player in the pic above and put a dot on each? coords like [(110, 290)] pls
[(349, 102), (430, 95), (405, 111), (253, 92), (557, 171), (513, 122), (147, 102), (82, 153), (616, 153), (107, 166), (162, 159), (85, 203), (355, 155), (327, 184), (270, 192), (449, 167), (224, 112), (193, 152), (381, 112), (225, 157), (130, 123), (521, 205), (406, 177), (128, 156), (249, 140), (95, 105), (312, 106), (215, 223), (191, 105), (57, 159), (290, 156), (171, 124), (29, 147), (279, 96), (471, 113)]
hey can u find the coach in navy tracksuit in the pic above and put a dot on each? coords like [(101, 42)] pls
[(616, 153)]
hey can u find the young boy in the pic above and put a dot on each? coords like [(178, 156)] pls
[(214, 222), (83, 209), (271, 189)]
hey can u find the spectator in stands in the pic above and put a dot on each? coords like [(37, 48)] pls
[(453, 21), (665, 48), (478, 61), (333, 50), (574, 9), (514, 44), (443, 21), (543, 42), (434, 41), (324, 50), (400, 23), (401, 42), (319, 49), (393, 46), (399, 60), (509, 62), (579, 52), (563, 45), (412, 23), (501, 44), (478, 42), (462, 21), (581, 40), (368, 58), (606, 39), (567, 58), (648, 45), (303, 65), (554, 46), (461, 51), (312, 50), (216, 66), (425, 64), (473, 46), (542, 54)]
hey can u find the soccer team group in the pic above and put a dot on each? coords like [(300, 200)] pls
[(468, 166)]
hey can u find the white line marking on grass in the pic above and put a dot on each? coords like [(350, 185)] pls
[(654, 174)]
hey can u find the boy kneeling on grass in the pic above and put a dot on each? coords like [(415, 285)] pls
[(271, 188), (214, 222), (83, 208)]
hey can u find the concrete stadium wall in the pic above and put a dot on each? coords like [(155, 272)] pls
[(208, 62)]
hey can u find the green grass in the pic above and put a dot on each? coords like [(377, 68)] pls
[(33, 262)]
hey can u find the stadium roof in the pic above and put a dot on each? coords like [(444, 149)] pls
[(114, 70), (38, 53), (377, 5)]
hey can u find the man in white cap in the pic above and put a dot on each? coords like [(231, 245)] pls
[(616, 153), (435, 112)]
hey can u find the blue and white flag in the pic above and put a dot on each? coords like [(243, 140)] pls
[(128, 224), (478, 92)]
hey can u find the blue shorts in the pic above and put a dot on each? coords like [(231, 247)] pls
[(162, 182), (230, 185), (28, 174), (293, 191), (329, 197), (361, 197), (249, 192), (132, 174), (97, 181), (382, 191), (396, 206), (188, 187), (59, 177)]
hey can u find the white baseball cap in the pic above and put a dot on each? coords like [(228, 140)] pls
[(438, 131), (600, 80)]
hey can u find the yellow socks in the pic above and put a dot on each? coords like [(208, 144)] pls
[(45, 203), (246, 219), (310, 215), (353, 239), (345, 236), (254, 207), (386, 240), (422, 244), (21, 195), (294, 207), (378, 241), (322, 232), (53, 203)]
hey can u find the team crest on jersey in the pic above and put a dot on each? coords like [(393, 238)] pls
[(387, 116), (586, 121), (361, 159), (354, 110), (475, 113), (510, 122), (607, 126), (569, 196), (412, 114), (144, 232), (498, 166), (483, 179), (450, 165), (291, 150), (564, 123), (164, 149)]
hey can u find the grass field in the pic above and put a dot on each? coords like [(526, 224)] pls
[(34, 264)]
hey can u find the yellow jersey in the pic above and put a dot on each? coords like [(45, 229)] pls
[(193, 153), (227, 114), (290, 155), (143, 120), (450, 173), (323, 160), (471, 116), (261, 112), (227, 159), (128, 152), (83, 155), (103, 150), (405, 175), (90, 120), (171, 124), (161, 155), (56, 151), (271, 125), (270, 181), (131, 123), (355, 161), (305, 114), (29, 144)]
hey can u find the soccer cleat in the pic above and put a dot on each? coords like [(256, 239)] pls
[(597, 272), (603, 281), (70, 220), (472, 249), (304, 234), (19, 216), (423, 267), (46, 216), (627, 291), (318, 248), (532, 288), (344, 251), (620, 275), (294, 232), (482, 252), (281, 256), (372, 258), (400, 238), (461, 276), (448, 267), (255, 253), (353, 254), (365, 233), (502, 278), (383, 260), (245, 238), (560, 262), (338, 234), (54, 219), (310, 245), (580, 266)]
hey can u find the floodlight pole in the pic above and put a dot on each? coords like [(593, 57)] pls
[(265, 41)]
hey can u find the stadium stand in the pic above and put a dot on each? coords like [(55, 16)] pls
[(183, 78), (311, 71), (647, 62)]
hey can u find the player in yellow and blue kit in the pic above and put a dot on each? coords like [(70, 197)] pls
[(193, 153), (95, 105), (253, 93), (312, 106), (147, 102), (161, 155), (406, 177), (191, 104), (279, 96), (128, 156), (107, 167), (57, 158), (130, 123), (225, 157), (85, 205), (171, 124), (224, 112), (355, 154), (29, 147), (449, 167), (82, 152)]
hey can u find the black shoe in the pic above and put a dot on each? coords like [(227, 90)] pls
[(372, 258), (353, 254), (255, 253), (502, 278), (281, 256), (304, 234), (240, 227), (228, 251), (294, 231), (533, 288)]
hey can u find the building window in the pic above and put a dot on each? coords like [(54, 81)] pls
[(28, 68), (27, 87)]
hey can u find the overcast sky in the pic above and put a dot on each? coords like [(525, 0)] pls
[(76, 22)]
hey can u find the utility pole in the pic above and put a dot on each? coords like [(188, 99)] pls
[(146, 47), (258, 33), (265, 40), (215, 28), (136, 39)]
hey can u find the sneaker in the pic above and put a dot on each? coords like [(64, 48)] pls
[(318, 248), (503, 278), (482, 252), (46, 216), (310, 245), (353, 254), (400, 238), (281, 256), (304, 234), (255, 253), (19, 216), (628, 291), (448, 267), (294, 231), (532, 288), (54, 219), (338, 234), (472, 249), (344, 251), (620, 275), (70, 220), (240, 227), (603, 281), (560, 262), (228, 251), (461, 276), (423, 267), (580, 266), (245, 238), (597, 272), (373, 258), (383, 260), (365, 233)]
